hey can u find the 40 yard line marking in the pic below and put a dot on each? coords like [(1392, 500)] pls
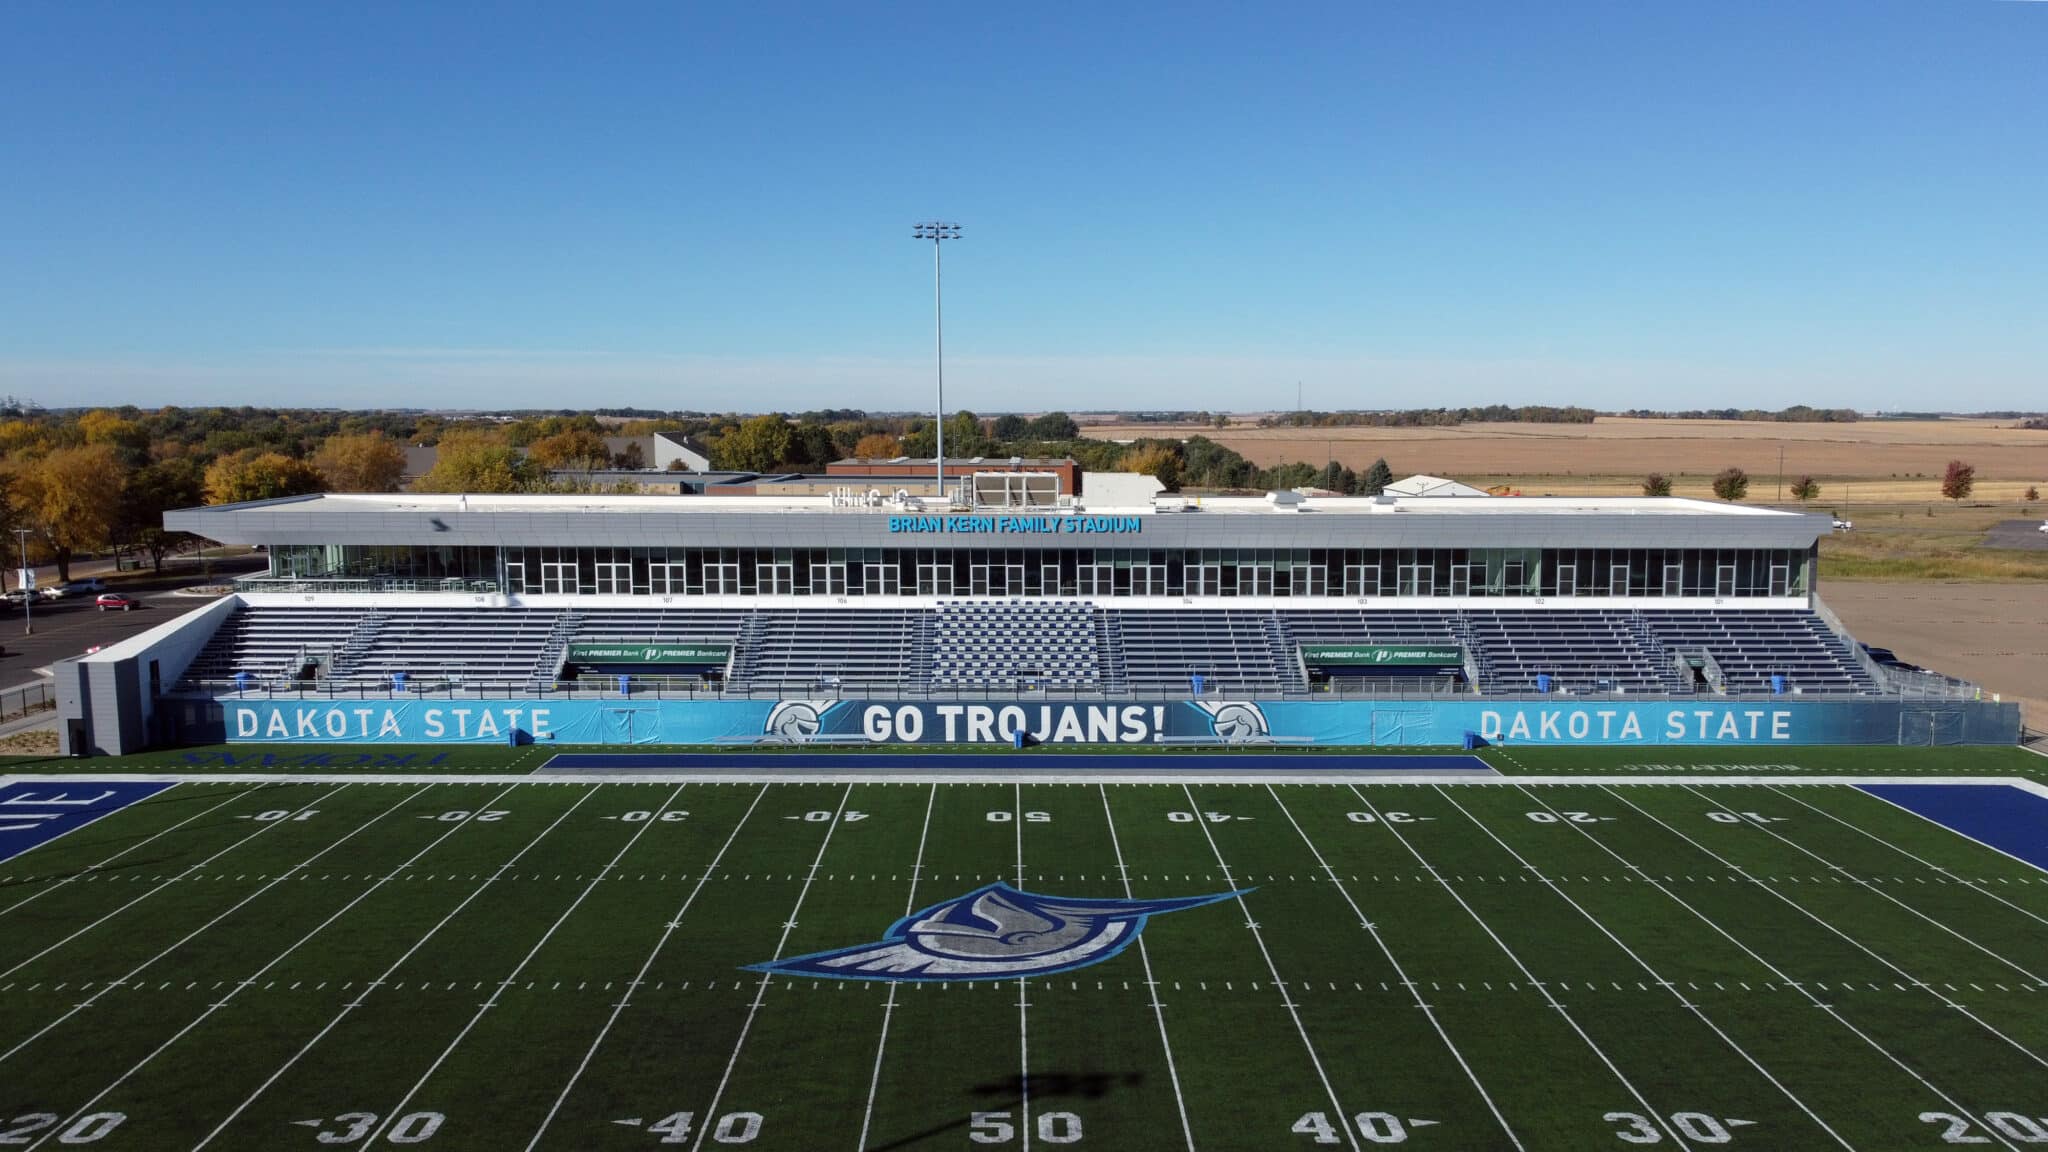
[(258, 974), (889, 1006), (389, 971), (1655, 975), (1428, 1012), (1145, 959), (392, 1114), (1800, 986), (668, 930), (761, 992), (1286, 997)]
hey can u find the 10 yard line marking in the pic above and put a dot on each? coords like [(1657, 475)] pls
[(1774, 970), (761, 992), (1427, 1011), (373, 985), (1695, 1009), (1145, 958), (889, 1005), (492, 1002), (674, 922), (123, 852), (274, 962), (1540, 986), (1259, 938), (1023, 1002)]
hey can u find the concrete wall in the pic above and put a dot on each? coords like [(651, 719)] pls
[(105, 702)]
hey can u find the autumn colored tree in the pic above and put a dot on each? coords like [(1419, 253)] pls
[(362, 462), (69, 498), (1731, 484), (1656, 484), (477, 461), (1805, 488), (255, 475), (571, 448), (2032, 494), (1957, 482), (878, 446)]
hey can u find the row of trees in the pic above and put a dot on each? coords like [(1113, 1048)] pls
[(1732, 484)]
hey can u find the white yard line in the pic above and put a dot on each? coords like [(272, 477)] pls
[(867, 1116), (1908, 977), (1286, 997), (1023, 996), (491, 1002), (4, 782), (761, 991), (161, 886), (287, 874), (1414, 990), (388, 972), (639, 977), (274, 961), (93, 868), (1946, 828), (1151, 984), (1655, 976), (1782, 977)]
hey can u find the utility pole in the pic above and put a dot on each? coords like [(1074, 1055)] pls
[(936, 231), (1781, 473), (28, 594)]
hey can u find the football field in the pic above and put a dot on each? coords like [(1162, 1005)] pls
[(497, 962)]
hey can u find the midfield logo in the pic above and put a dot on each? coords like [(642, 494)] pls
[(993, 932)]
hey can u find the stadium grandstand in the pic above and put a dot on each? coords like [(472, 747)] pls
[(1012, 611)]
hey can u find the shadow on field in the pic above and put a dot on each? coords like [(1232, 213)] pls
[(1043, 1086)]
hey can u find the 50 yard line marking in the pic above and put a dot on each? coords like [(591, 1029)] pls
[(390, 970), (761, 992), (1145, 958), (889, 1006), (668, 930), (1428, 1012), (1023, 1001), (1286, 997), (280, 958), (392, 1115)]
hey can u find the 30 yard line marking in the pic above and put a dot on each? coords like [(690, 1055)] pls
[(761, 991), (392, 1114), (1271, 968), (889, 1006), (1782, 977), (159, 887), (94, 868), (1428, 1012), (1145, 959), (1930, 865), (668, 930), (196, 932), (391, 970), (1908, 977), (273, 962), (1656, 976)]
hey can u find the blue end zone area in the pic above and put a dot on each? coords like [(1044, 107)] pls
[(883, 762), (33, 814), (2012, 820)]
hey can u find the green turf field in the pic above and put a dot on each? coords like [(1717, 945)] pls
[(501, 965)]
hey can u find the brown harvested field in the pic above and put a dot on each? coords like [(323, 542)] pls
[(1880, 460), (1993, 634)]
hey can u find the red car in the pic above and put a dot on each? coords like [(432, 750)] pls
[(114, 600)]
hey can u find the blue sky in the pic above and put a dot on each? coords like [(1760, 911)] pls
[(708, 205)]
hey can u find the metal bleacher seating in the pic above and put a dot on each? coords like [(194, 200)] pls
[(1751, 647), (980, 644), (453, 645), (270, 644), (1579, 651), (805, 649), (1231, 651)]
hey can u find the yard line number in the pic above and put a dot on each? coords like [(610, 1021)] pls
[(2011, 1125), (996, 1128), (86, 1129), (1376, 1127)]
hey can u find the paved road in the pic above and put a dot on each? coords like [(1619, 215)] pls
[(65, 628), (2022, 534)]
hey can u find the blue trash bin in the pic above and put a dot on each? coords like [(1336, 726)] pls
[(625, 685), (1777, 684), (241, 681), (1543, 682), (1195, 683), (398, 681)]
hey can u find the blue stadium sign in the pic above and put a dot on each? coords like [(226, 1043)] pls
[(1018, 525)]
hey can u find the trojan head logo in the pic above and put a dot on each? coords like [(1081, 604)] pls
[(1235, 722), (994, 932), (794, 721)]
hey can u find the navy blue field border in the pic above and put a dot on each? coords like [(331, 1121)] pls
[(2012, 820)]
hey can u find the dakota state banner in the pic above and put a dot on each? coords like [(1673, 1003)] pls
[(626, 720)]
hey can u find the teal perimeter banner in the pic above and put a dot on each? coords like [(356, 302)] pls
[(630, 720)]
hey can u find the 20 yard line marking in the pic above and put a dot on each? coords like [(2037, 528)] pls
[(1279, 985), (1784, 979), (388, 972), (889, 1005), (674, 922), (1655, 976), (761, 991), (1145, 959), (392, 1114), (274, 962)]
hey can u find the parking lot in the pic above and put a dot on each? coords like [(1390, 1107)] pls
[(2025, 534), (68, 627)]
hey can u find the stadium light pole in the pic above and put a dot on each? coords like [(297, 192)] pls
[(28, 594), (936, 231)]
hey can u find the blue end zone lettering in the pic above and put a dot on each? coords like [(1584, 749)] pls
[(2012, 820), (35, 814)]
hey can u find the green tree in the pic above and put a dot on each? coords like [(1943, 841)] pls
[(1332, 479), (1053, 426), (810, 448), (1959, 480), (150, 492), (1376, 478), (477, 461), (360, 462), (757, 445), (1010, 426), (964, 437), (1731, 484), (1805, 488), (1656, 484)]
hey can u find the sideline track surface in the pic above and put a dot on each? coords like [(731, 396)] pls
[(912, 765)]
